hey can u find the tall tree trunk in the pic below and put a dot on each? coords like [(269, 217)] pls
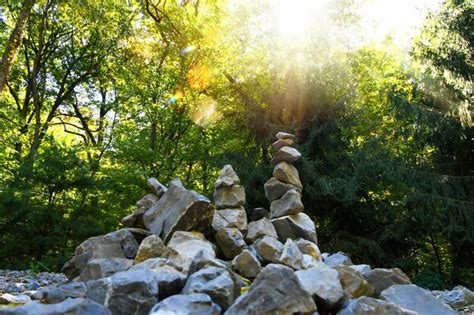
[(14, 42)]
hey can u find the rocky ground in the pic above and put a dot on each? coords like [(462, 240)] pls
[(181, 254)]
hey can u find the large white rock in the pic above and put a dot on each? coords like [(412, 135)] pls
[(190, 243), (230, 218)]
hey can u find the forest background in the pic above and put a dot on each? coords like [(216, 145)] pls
[(99, 95)]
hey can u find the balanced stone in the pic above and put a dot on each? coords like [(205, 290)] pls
[(288, 174), (260, 228), (227, 177), (295, 226), (274, 188), (179, 209), (285, 135), (229, 197), (230, 218), (276, 290), (135, 219), (287, 154), (338, 259), (289, 203), (258, 213), (282, 143)]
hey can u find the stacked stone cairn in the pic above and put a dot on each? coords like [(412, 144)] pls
[(178, 253)]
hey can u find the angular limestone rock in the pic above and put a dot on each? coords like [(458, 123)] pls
[(295, 226), (269, 248), (151, 247), (353, 282), (380, 278), (277, 145), (258, 229), (288, 174), (416, 299), (338, 259), (156, 187), (101, 268), (230, 218), (135, 219), (323, 283), (289, 203), (197, 303), (229, 197), (258, 213), (363, 269), (230, 242), (274, 189), (179, 209), (286, 154), (276, 290), (246, 264), (370, 306), (309, 248), (215, 282), (119, 244), (227, 177), (291, 255), (189, 244)]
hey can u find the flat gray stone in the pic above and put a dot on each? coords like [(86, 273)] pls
[(101, 268), (274, 189), (277, 145), (416, 299), (286, 154)]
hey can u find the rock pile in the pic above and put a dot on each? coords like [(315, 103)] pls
[(178, 253)]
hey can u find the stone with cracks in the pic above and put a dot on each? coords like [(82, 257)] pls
[(309, 248), (380, 278), (286, 154), (277, 145), (230, 242), (135, 219), (215, 282), (101, 268), (338, 259), (227, 177), (196, 304), (179, 209), (416, 299), (276, 290), (128, 292), (291, 255), (258, 229), (190, 243), (295, 226), (285, 135), (274, 189), (288, 174), (230, 218), (370, 306), (151, 247), (118, 244), (289, 203), (229, 197), (269, 248), (77, 306), (323, 283), (353, 282), (156, 187), (246, 264)]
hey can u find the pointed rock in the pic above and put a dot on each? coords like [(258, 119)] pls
[(135, 219), (260, 228), (274, 189), (288, 174), (276, 290), (380, 278), (291, 255), (295, 226), (230, 242), (269, 248), (227, 177), (179, 209), (246, 264), (277, 145), (230, 218), (287, 154), (229, 197), (289, 203)]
